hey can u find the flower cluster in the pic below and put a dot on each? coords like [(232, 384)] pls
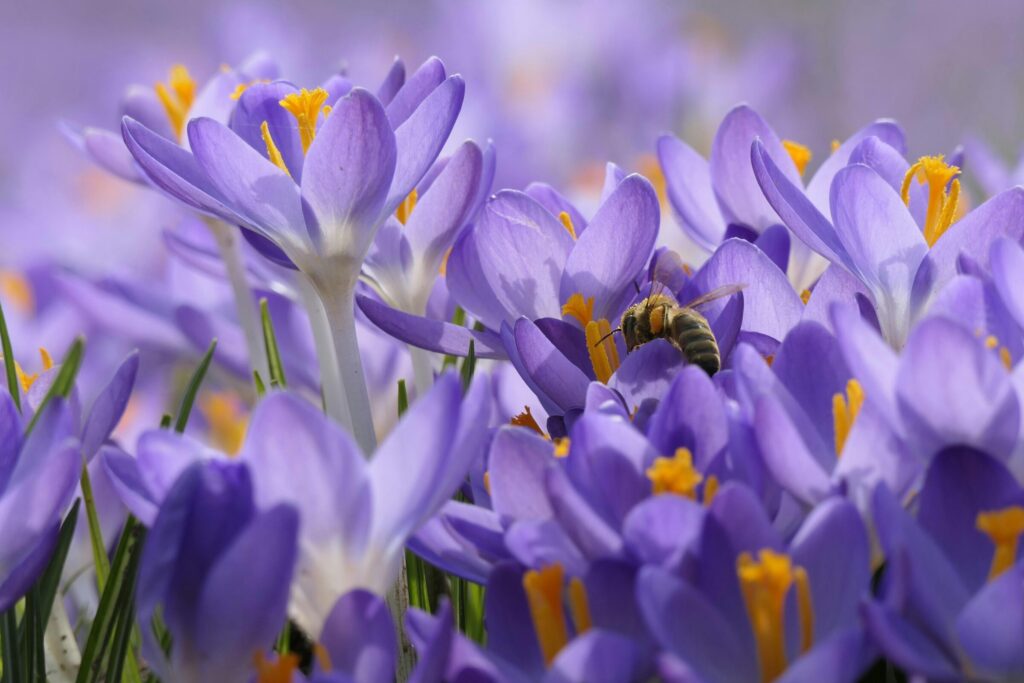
[(797, 456)]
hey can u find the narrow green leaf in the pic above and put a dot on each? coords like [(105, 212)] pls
[(166, 420), (189, 399), (458, 318), (284, 639), (468, 366), (261, 388), (121, 663), (64, 380), (99, 548), (8, 351), (277, 378), (49, 582), (403, 398), (9, 646)]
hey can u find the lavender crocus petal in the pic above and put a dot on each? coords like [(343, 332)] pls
[(971, 402), (539, 543), (510, 633), (737, 510), (613, 175), (253, 186), (972, 235), (436, 544), (607, 258), (259, 65), (662, 528), (245, 594), (422, 136), (214, 98), (432, 637), (907, 647), (433, 335), (774, 242), (414, 90), (508, 339), (555, 203), (870, 359), (337, 86), (795, 208), (142, 104), (688, 184), (1006, 259), (732, 177), (885, 131), (553, 373), (770, 306), (22, 571), (570, 340), (986, 167), (123, 472), (991, 628), (960, 484), (518, 458), (843, 658), (261, 103), (796, 467), (444, 209), (886, 162), (646, 374), (975, 304), (836, 284), (588, 530), (477, 527), (359, 637), (688, 625), (108, 150), (392, 82), (596, 657), (164, 455), (690, 415), (200, 326), (10, 437), (348, 170), (109, 406)]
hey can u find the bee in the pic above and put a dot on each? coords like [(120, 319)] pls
[(659, 316)]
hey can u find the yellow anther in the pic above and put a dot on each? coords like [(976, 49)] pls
[(604, 355), (226, 419), (443, 268), (242, 87), (769, 359), (280, 670), (305, 106), (567, 223), (544, 595), (326, 111), (487, 482), (800, 154), (579, 308), (835, 145), (992, 342), (26, 380), (845, 409), (675, 475), (404, 209), (526, 419), (323, 658), (16, 289), (941, 205), (764, 584), (177, 96), (579, 606), (805, 296), (273, 153), (44, 356), (562, 445), (1004, 528), (710, 489)]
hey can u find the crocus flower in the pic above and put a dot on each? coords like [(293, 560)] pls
[(38, 473), (219, 570), (992, 173), (718, 198), (356, 516)]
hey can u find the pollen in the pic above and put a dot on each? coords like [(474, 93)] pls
[(845, 408), (544, 589), (305, 106), (526, 419), (675, 475), (280, 670), (226, 419), (942, 202), (710, 489), (15, 288), (562, 447), (800, 154), (604, 355), (404, 209), (579, 308), (177, 96), (273, 153), (805, 296), (992, 343), (567, 224), (1004, 528)]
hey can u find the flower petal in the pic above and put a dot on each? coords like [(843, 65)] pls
[(688, 184)]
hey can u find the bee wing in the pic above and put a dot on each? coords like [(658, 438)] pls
[(666, 268), (714, 294)]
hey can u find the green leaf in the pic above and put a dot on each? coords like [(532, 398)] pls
[(49, 582), (9, 366), (458, 318), (63, 382), (9, 646), (166, 420), (277, 378), (403, 398), (189, 399), (99, 548), (261, 388), (468, 366)]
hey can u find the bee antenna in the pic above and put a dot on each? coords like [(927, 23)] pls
[(617, 329)]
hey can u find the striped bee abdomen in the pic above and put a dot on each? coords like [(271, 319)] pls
[(689, 330)]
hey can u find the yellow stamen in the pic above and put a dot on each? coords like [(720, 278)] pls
[(1004, 528), (278, 671), (44, 355), (273, 153), (305, 106), (404, 209), (26, 380), (323, 658), (177, 96), (805, 296), (845, 409), (992, 342), (836, 145), (567, 223), (764, 584), (604, 355), (487, 482), (769, 359), (675, 475), (800, 154), (226, 419), (544, 595), (941, 206), (526, 419), (579, 606), (562, 447), (15, 288), (326, 111), (579, 308), (242, 87), (710, 489), (443, 270)]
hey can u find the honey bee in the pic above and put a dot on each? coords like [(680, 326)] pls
[(659, 316)]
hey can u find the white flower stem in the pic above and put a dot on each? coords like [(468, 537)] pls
[(339, 304), (423, 373), (330, 375), (227, 238), (63, 658)]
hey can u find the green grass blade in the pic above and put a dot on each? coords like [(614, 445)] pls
[(11, 369), (99, 548), (277, 378), (468, 366), (403, 398), (261, 388), (189, 399), (49, 582), (9, 646)]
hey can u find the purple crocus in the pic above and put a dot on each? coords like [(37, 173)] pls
[(38, 473), (219, 571)]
